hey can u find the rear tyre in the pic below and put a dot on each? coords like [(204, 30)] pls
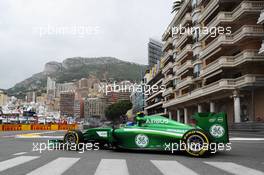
[(196, 142)]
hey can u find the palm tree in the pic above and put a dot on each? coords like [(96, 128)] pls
[(176, 5)]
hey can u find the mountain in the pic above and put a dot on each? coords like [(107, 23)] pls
[(72, 69)]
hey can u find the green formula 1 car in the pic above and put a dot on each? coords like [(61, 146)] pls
[(159, 133)]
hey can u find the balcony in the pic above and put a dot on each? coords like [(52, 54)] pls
[(167, 79), (187, 65), (154, 105), (187, 49), (167, 92), (232, 61), (185, 82), (154, 95), (167, 55), (244, 31), (186, 19), (261, 18), (182, 38), (167, 67), (167, 44), (230, 17), (177, 16), (210, 8), (223, 84), (261, 51)]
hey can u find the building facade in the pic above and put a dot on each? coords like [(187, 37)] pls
[(3, 98), (153, 98), (215, 72), (137, 100), (261, 21), (154, 52), (67, 104), (94, 107)]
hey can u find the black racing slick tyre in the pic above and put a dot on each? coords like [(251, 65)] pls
[(74, 137), (196, 143)]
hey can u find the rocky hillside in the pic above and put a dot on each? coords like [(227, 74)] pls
[(72, 69)]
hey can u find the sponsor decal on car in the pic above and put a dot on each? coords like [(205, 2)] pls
[(177, 130), (157, 121), (102, 133), (217, 131), (212, 120), (141, 140), (220, 119)]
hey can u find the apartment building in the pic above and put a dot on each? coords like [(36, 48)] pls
[(261, 21), (95, 107), (215, 71), (67, 104), (154, 52), (153, 98)]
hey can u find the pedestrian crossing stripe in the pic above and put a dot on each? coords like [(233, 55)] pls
[(234, 168), (112, 166), (170, 167), (119, 166), (4, 165), (55, 167)]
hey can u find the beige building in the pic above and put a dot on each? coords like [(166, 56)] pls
[(3, 98), (153, 98), (94, 107), (216, 72)]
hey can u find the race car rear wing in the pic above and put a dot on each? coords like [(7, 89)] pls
[(215, 125)]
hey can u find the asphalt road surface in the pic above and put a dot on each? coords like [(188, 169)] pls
[(18, 158)]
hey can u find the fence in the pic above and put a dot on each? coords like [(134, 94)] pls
[(28, 127)]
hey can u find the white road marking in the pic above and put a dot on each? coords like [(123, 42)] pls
[(112, 166), (38, 137), (235, 168), (19, 154), (245, 139), (4, 165), (55, 167), (172, 167)]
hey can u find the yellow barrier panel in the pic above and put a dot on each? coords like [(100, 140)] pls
[(26, 127), (54, 127)]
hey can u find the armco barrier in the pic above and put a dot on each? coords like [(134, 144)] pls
[(27, 127), (40, 127), (11, 127), (67, 127)]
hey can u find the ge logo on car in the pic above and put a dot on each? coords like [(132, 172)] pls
[(141, 140), (217, 131)]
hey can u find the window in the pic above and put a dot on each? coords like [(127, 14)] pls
[(197, 70), (196, 33), (194, 4), (174, 55)]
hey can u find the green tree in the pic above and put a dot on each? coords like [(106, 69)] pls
[(114, 111)]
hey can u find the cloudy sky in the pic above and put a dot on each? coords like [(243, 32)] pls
[(33, 32)]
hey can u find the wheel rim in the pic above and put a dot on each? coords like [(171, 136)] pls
[(70, 139), (195, 143)]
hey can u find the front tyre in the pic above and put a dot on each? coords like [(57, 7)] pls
[(74, 137), (196, 142)]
